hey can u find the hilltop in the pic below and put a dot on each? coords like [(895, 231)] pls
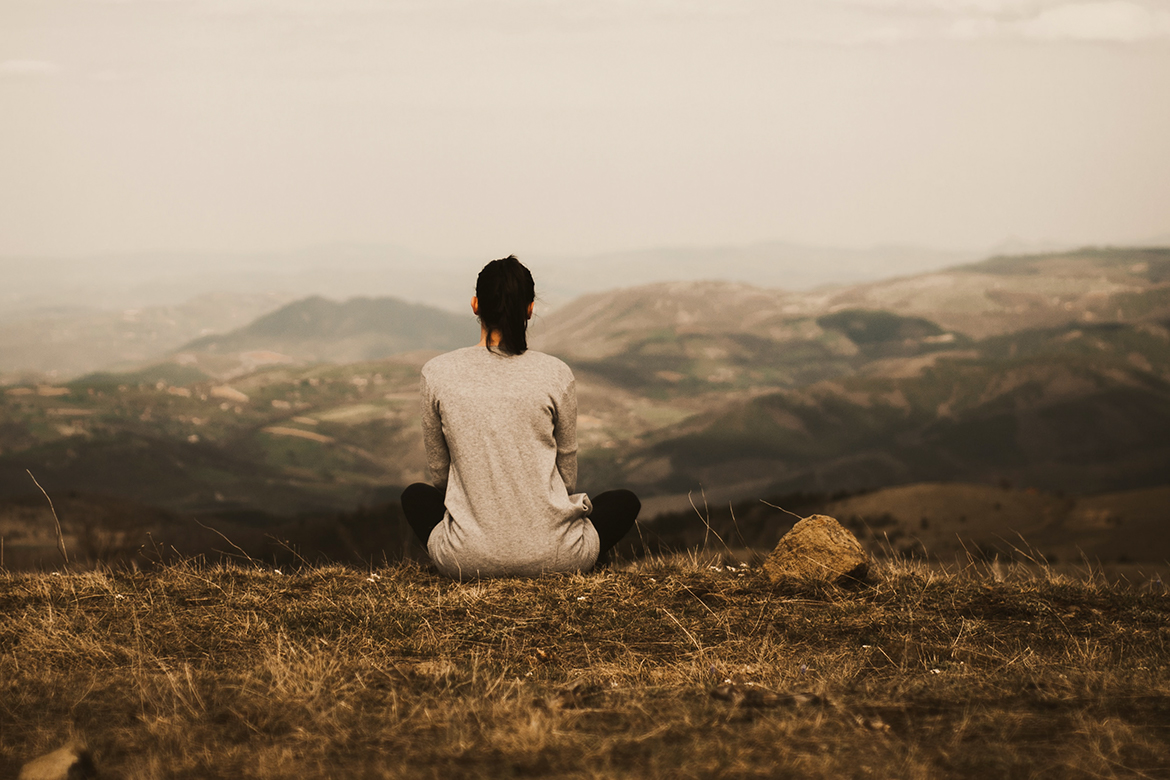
[(694, 667), (1006, 294), (318, 330)]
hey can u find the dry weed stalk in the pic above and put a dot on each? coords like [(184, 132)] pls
[(56, 520)]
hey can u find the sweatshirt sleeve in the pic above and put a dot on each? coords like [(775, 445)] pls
[(438, 456), (565, 433)]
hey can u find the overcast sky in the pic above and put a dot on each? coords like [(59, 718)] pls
[(575, 126)]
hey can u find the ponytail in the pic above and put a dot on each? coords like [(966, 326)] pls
[(504, 289)]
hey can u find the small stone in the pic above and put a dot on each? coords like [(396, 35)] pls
[(71, 762), (818, 548), (752, 695)]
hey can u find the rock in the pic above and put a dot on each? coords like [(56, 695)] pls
[(71, 762), (752, 695), (817, 548)]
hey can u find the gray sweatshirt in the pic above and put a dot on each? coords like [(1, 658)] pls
[(501, 439)]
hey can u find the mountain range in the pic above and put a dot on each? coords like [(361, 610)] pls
[(1046, 372), (1050, 317), (64, 317)]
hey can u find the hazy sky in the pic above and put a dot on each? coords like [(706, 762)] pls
[(577, 126)]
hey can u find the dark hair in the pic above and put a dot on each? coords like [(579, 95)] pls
[(504, 289)]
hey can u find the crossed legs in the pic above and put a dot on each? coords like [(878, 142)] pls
[(613, 515)]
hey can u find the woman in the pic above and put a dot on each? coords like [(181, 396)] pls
[(500, 430)]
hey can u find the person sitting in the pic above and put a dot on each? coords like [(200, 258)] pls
[(500, 431)]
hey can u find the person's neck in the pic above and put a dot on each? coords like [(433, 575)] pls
[(484, 335)]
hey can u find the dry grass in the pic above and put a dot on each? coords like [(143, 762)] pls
[(201, 671)]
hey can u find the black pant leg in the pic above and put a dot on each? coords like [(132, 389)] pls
[(423, 506), (613, 515)]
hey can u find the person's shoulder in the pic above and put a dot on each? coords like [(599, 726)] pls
[(550, 363), (448, 361)]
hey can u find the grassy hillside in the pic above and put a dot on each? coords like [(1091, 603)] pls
[(671, 363), (682, 668), (1082, 408), (282, 440)]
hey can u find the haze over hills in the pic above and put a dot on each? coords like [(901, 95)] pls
[(974, 300), (773, 264), (67, 342), (347, 270), (63, 317), (172, 278)]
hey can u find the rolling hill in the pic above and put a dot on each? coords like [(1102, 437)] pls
[(1080, 408), (282, 440), (1006, 294), (996, 296)]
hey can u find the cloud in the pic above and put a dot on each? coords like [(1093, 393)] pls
[(28, 68), (1116, 20), (1111, 21), (1121, 21), (952, 7), (834, 22)]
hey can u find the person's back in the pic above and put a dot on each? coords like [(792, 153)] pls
[(501, 442), (500, 430)]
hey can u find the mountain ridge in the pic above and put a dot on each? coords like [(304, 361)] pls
[(994, 296)]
